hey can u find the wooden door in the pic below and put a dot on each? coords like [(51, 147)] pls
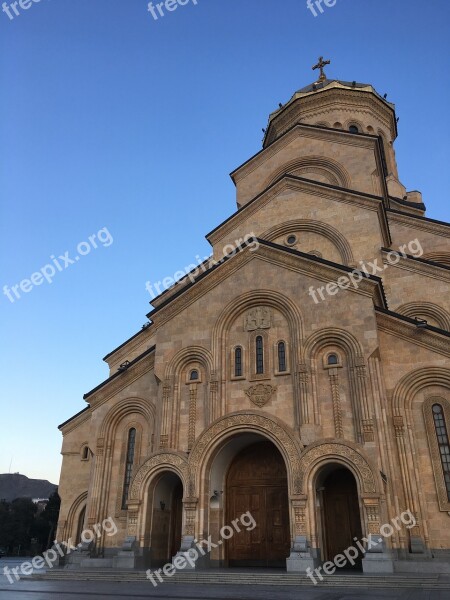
[(257, 482), (176, 520), (342, 515)]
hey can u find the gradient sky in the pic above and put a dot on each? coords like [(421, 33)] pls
[(110, 119)]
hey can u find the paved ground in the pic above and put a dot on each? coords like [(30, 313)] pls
[(99, 590), (68, 590)]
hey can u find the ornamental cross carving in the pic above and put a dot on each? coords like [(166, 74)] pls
[(258, 318), (260, 394)]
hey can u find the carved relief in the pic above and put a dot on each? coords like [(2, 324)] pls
[(329, 449), (373, 515), (260, 394), (259, 422), (155, 461), (192, 415), (299, 507), (258, 318), (337, 411)]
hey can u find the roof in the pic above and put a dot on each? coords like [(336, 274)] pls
[(318, 86), (118, 373)]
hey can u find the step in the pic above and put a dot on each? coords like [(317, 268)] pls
[(230, 578)]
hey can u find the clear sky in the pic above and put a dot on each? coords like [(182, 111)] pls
[(126, 127)]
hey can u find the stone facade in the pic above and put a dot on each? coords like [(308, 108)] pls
[(250, 351)]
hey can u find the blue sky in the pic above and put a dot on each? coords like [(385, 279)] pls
[(111, 119)]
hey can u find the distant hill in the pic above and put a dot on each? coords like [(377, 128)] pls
[(15, 485)]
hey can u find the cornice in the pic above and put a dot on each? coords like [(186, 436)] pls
[(291, 182), (327, 99), (75, 422), (394, 325), (304, 130), (126, 342), (127, 348), (420, 222), (410, 263), (126, 378), (417, 210), (285, 258)]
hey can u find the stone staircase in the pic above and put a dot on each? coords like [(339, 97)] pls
[(253, 578)]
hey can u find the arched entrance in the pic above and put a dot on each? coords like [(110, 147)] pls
[(257, 482), (166, 518), (80, 525), (340, 512)]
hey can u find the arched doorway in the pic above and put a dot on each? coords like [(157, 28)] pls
[(80, 525), (340, 513), (257, 482), (166, 519)]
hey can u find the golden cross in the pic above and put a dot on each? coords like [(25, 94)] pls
[(320, 65)]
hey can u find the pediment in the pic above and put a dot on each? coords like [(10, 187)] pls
[(323, 271)]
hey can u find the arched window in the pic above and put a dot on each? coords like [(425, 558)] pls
[(238, 362), (259, 355), (128, 466), (194, 375), (353, 129), (443, 443), (333, 359), (281, 357), (85, 453)]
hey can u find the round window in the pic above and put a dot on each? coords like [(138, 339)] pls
[(291, 240)]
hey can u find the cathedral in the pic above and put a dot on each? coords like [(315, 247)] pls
[(301, 376)]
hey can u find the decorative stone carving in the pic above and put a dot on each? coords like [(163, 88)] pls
[(161, 459), (373, 515), (299, 507), (399, 426), (329, 449), (249, 420), (337, 411), (192, 415), (258, 318), (261, 393)]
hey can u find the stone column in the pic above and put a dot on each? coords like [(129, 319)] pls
[(126, 558), (300, 557), (416, 538), (192, 415), (378, 558), (337, 409), (361, 385), (165, 420), (214, 411), (187, 549)]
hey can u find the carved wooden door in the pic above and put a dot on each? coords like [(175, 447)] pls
[(342, 515), (257, 482)]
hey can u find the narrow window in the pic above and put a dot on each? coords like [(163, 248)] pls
[(194, 376), (128, 466), (281, 357), (238, 362), (259, 355), (443, 443), (333, 359), (85, 453)]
